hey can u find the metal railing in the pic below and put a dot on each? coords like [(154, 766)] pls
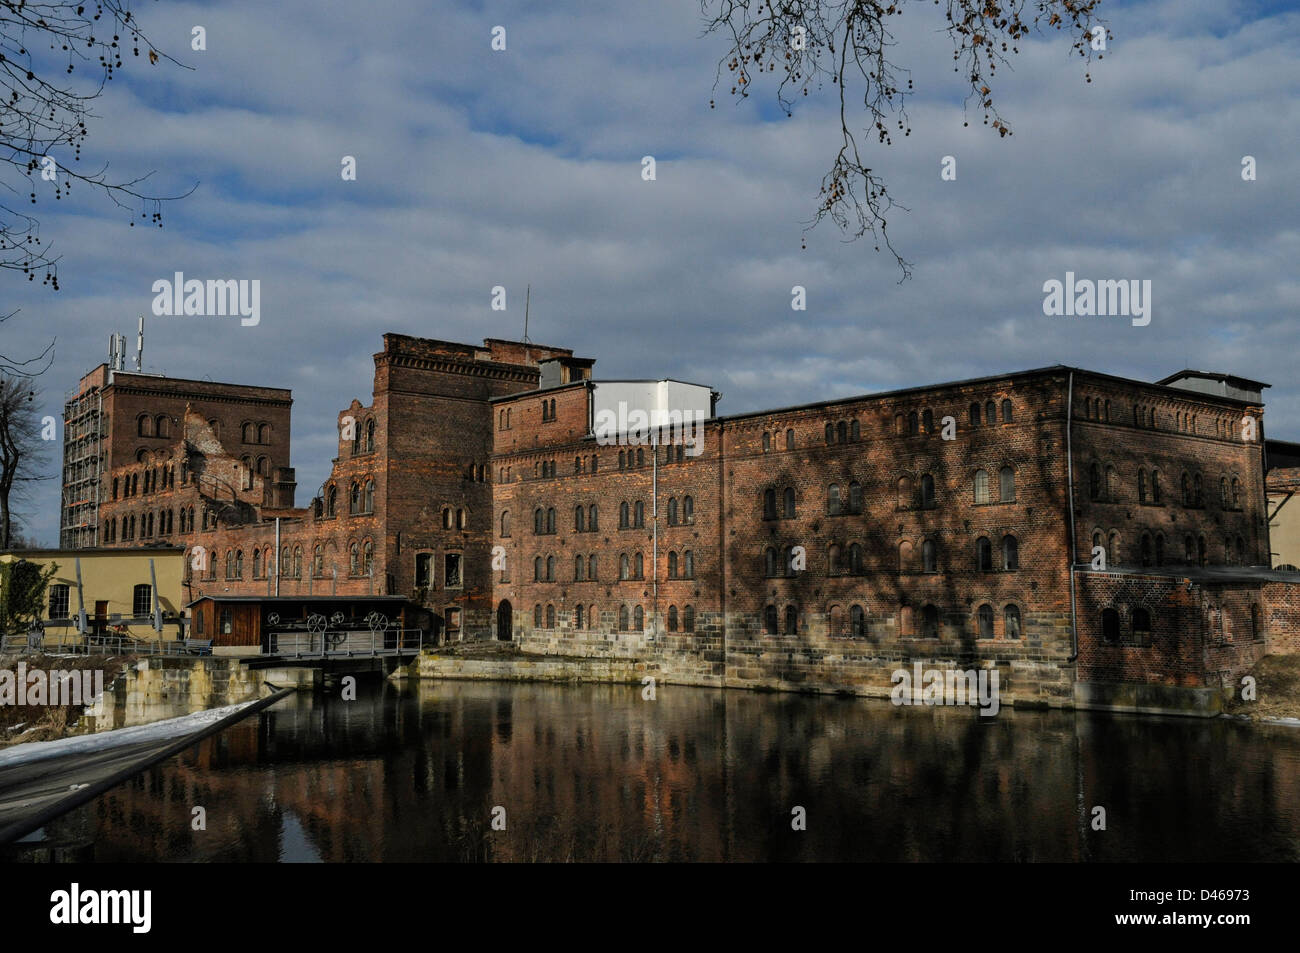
[(344, 643)]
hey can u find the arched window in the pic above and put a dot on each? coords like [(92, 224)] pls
[(928, 561), (835, 621), (672, 511), (639, 563), (905, 556), (833, 499), (318, 562), (550, 520), (927, 490), (297, 562), (990, 414), (354, 559), (1006, 485), (769, 561), (788, 498), (842, 431), (579, 518), (162, 426), (974, 415), (855, 432), (623, 515), (672, 565), (354, 503), (791, 620), (368, 499), (767, 441), (622, 618), (1111, 484), (577, 621), (331, 500), (550, 569), (983, 554), (1155, 486), (1010, 553), (505, 522), (248, 433), (537, 616), (688, 564), (1142, 486), (930, 622), (624, 567), (789, 439), (593, 522), (1223, 492), (638, 619), (591, 567), (1197, 491), (672, 611), (550, 616), (257, 564), (1141, 626), (1236, 493), (1145, 549), (855, 497), (638, 514), (367, 557), (830, 434), (769, 504), (688, 509), (913, 423), (1185, 486), (537, 568), (857, 622), (855, 559), (1110, 626), (985, 617), (1006, 410), (230, 564), (833, 559), (981, 486), (144, 425), (462, 516), (900, 424), (370, 436), (688, 619), (1011, 622)]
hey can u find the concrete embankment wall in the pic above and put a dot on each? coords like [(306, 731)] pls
[(156, 688), (534, 668)]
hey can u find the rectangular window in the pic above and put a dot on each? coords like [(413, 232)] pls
[(59, 601), (142, 603), (423, 563), (451, 571)]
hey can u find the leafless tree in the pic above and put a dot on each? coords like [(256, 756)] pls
[(22, 451), (45, 51), (846, 43)]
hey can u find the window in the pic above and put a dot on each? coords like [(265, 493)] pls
[(930, 620), (257, 564), (1236, 493), (791, 620), (688, 619), (985, 618), (537, 616), (623, 516), (927, 490), (593, 523), (1011, 622), (539, 521), (1185, 485), (591, 567), (769, 620), (331, 500), (370, 436), (505, 522), (142, 600), (855, 559), (842, 431), (550, 616), (1256, 632), (624, 567), (1223, 491), (672, 512), (622, 618), (905, 499), (248, 433), (550, 569), (769, 562), (1006, 485), (688, 509), (983, 554), (688, 564), (144, 425), (833, 500), (981, 486), (904, 556), (367, 558), (1006, 411), (672, 613), (855, 497), (354, 559), (1142, 486), (451, 569), (857, 622), (423, 565), (928, 561), (767, 441), (769, 504), (1010, 553), (638, 514), (974, 415), (537, 569), (830, 434), (59, 599), (1110, 626), (368, 498), (577, 618), (990, 414), (1155, 486), (788, 498), (1141, 626), (913, 423), (1145, 549), (789, 439)]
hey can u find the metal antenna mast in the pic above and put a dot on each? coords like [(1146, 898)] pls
[(528, 294)]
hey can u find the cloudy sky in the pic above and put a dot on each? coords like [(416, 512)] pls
[(478, 168)]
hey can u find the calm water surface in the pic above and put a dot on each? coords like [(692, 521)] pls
[(593, 772)]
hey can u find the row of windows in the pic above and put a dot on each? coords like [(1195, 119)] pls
[(250, 432), (451, 570), (361, 554), (363, 438), (60, 596), (1153, 550), (155, 478), (147, 525), (854, 624), (908, 496), (149, 426), (361, 500), (630, 619), (548, 410), (851, 561)]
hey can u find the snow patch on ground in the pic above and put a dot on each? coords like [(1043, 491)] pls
[(80, 744)]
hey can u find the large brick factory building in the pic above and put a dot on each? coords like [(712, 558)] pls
[(1101, 541)]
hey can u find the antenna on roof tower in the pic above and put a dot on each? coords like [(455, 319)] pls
[(528, 295)]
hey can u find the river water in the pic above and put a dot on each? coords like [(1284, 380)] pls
[(597, 772)]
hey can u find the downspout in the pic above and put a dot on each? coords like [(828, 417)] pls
[(654, 522), (277, 557), (1069, 479)]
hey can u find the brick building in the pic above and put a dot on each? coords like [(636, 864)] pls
[(1063, 525)]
